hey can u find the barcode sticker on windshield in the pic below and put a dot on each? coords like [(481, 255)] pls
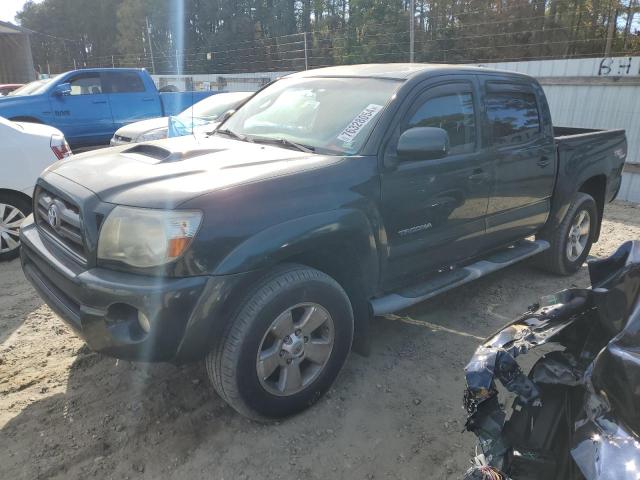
[(358, 123)]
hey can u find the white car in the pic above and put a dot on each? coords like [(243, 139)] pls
[(27, 149), (202, 117)]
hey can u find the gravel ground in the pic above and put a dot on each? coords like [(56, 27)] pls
[(66, 412)]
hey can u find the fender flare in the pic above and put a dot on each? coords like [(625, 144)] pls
[(317, 232), (285, 240)]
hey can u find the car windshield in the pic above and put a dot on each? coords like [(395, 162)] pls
[(334, 115), (212, 108)]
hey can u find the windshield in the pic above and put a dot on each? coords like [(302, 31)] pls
[(212, 108), (334, 115)]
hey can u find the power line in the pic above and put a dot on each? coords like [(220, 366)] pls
[(34, 32), (348, 43)]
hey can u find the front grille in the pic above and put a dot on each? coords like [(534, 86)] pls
[(61, 221)]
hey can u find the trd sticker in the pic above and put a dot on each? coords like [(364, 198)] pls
[(358, 123)]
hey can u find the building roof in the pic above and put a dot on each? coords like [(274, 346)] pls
[(6, 27)]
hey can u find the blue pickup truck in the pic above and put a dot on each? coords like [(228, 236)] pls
[(90, 105)]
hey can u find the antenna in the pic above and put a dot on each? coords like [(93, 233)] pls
[(193, 132), (153, 63)]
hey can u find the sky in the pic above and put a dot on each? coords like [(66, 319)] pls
[(9, 8)]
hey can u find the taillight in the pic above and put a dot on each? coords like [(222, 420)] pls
[(60, 146)]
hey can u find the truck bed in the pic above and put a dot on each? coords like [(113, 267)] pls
[(175, 102), (587, 153), (580, 149), (561, 133)]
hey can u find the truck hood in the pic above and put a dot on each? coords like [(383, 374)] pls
[(19, 106), (166, 173)]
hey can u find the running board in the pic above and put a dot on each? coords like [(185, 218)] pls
[(446, 281)]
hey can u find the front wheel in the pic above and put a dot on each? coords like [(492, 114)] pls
[(13, 210), (572, 240), (285, 346)]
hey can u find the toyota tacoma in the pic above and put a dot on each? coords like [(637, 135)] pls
[(331, 196)]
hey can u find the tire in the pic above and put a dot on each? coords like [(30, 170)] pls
[(557, 259), (13, 209), (260, 329)]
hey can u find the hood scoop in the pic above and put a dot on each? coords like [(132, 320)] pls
[(162, 155)]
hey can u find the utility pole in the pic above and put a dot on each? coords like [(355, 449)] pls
[(627, 28), (613, 14), (306, 58), (412, 32), (153, 63)]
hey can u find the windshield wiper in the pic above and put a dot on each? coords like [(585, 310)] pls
[(233, 134), (285, 142)]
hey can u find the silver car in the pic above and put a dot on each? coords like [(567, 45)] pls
[(201, 117)]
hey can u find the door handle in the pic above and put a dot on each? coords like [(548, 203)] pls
[(148, 99), (99, 101), (543, 162), (478, 176)]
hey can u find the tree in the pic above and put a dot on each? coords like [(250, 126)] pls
[(203, 36)]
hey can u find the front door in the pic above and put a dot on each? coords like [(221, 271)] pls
[(84, 116), (434, 209)]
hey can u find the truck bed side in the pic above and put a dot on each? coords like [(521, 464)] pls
[(175, 102), (590, 161)]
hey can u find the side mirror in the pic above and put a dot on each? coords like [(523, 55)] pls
[(62, 90), (422, 143)]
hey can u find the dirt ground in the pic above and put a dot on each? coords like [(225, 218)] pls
[(66, 412)]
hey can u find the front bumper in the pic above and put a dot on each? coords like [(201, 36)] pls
[(101, 305)]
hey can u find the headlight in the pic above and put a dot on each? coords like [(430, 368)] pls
[(143, 237), (157, 134)]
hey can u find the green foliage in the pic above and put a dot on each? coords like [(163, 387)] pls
[(203, 36)]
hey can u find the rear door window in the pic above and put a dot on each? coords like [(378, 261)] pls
[(123, 82), (513, 115)]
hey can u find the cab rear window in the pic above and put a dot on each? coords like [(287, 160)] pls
[(123, 82)]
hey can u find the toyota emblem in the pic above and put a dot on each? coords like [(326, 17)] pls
[(53, 215)]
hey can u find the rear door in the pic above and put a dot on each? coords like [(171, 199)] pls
[(84, 116), (434, 210), (520, 137), (130, 99)]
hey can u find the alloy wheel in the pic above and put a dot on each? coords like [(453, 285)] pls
[(578, 235), (10, 220), (295, 349)]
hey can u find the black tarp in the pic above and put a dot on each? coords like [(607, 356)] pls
[(597, 331)]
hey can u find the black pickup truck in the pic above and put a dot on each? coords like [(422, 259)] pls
[(331, 196)]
